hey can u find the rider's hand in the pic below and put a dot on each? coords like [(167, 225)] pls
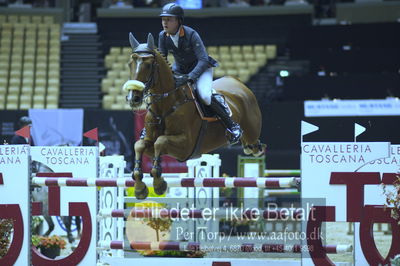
[(181, 80)]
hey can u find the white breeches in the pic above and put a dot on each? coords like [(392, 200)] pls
[(204, 86)]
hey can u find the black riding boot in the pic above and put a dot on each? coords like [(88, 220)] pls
[(218, 106)]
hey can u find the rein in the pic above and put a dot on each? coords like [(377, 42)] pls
[(170, 111), (150, 81), (158, 97)]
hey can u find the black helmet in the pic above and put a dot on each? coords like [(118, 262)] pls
[(24, 121), (172, 10)]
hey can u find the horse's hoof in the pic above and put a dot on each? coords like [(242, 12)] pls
[(247, 151), (142, 192), (160, 186), (155, 172), (137, 175), (261, 150)]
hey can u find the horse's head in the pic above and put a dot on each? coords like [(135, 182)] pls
[(142, 67)]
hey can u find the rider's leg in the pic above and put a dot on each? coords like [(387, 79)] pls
[(216, 102), (204, 86)]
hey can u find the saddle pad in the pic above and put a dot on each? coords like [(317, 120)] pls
[(205, 111)]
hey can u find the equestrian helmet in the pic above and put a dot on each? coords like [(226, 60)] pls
[(172, 10)]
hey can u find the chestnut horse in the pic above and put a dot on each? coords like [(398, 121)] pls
[(172, 121)]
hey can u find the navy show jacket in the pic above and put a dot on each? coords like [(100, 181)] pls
[(191, 56)]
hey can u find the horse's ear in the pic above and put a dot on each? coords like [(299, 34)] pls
[(134, 43), (150, 41)]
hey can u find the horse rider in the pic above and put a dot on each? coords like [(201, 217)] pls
[(192, 63)]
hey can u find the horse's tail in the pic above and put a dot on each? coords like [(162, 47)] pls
[(246, 110)]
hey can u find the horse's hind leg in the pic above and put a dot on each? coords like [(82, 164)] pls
[(67, 220), (78, 225), (251, 125), (257, 149), (49, 223), (250, 139)]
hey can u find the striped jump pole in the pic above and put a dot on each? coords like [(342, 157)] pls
[(196, 246), (279, 214), (282, 173), (289, 182)]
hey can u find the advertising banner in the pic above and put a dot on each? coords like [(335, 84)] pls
[(14, 201)]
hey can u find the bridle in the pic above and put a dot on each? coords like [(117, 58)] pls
[(158, 97), (151, 78)]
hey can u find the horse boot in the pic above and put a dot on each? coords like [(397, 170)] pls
[(143, 133), (219, 107)]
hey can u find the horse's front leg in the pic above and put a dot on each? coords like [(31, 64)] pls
[(141, 190), (165, 144)]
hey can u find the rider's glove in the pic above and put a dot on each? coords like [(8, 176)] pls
[(181, 80)]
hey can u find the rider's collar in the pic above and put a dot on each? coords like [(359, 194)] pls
[(181, 32)]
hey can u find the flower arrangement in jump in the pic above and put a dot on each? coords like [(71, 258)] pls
[(6, 227), (393, 199), (48, 242)]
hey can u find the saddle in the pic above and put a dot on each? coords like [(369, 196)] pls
[(205, 111), (207, 115)]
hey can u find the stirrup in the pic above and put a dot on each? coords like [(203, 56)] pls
[(236, 133)]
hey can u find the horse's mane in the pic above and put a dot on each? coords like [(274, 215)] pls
[(163, 60)]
